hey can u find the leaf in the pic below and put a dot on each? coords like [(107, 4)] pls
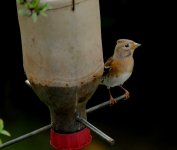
[(0, 141), (23, 12), (4, 132), (20, 1), (30, 6), (34, 17), (44, 8), (35, 3), (1, 125), (43, 14)]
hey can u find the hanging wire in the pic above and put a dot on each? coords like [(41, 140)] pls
[(73, 5)]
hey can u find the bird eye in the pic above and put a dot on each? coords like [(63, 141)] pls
[(126, 45)]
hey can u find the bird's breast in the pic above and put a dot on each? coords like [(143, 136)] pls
[(121, 66), (120, 71), (113, 81)]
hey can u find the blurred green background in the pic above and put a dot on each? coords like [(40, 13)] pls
[(144, 122)]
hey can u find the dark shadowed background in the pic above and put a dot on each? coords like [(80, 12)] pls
[(146, 121)]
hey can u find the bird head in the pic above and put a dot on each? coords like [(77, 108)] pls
[(125, 48)]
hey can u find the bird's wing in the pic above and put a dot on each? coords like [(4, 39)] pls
[(108, 63), (107, 66)]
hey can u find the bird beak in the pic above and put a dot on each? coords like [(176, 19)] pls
[(137, 45)]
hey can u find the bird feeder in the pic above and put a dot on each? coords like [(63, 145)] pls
[(63, 61)]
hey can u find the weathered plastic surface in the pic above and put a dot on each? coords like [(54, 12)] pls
[(65, 47), (62, 58)]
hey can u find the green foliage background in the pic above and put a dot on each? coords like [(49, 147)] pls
[(2, 130), (32, 8)]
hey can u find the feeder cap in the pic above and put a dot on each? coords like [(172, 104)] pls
[(71, 141)]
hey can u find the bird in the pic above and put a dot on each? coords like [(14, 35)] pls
[(119, 67)]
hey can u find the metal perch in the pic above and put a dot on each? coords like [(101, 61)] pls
[(82, 120), (96, 130)]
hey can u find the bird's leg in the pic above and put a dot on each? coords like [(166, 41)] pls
[(112, 100), (127, 94)]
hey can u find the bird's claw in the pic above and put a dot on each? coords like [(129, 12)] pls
[(127, 95), (112, 101)]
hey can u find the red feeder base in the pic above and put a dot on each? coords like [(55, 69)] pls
[(73, 141)]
